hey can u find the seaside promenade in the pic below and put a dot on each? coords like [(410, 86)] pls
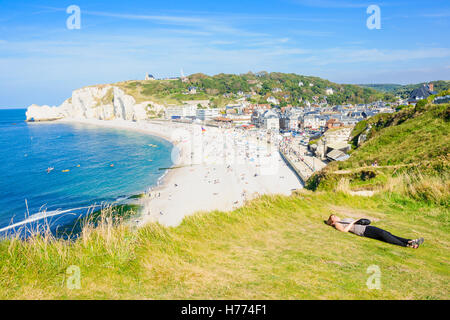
[(296, 155)]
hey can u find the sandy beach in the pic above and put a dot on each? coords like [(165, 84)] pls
[(214, 169)]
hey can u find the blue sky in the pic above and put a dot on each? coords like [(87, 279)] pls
[(41, 61)]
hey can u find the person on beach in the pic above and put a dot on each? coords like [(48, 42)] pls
[(350, 225)]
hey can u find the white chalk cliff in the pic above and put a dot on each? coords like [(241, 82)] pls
[(98, 102)]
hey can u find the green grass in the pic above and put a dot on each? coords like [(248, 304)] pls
[(411, 148), (273, 248), (418, 137)]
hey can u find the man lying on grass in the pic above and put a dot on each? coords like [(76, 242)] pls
[(361, 228)]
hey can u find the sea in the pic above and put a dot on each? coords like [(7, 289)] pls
[(90, 167)]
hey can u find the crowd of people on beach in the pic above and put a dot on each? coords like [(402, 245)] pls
[(231, 164)]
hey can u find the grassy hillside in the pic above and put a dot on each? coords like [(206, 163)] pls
[(274, 248), (412, 152), (407, 137), (223, 89)]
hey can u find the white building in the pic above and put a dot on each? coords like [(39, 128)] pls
[(292, 122), (207, 114), (276, 90), (192, 90), (314, 121), (181, 111), (270, 120), (272, 100), (329, 91), (294, 119), (149, 76)]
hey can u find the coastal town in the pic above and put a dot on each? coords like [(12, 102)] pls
[(248, 143), (308, 136), (309, 121)]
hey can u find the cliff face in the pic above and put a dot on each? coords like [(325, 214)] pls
[(98, 102)]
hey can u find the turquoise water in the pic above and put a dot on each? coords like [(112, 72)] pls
[(28, 149)]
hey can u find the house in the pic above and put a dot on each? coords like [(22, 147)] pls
[(334, 140), (311, 121), (261, 106), (333, 123), (300, 84), (359, 115), (276, 90), (292, 122), (270, 120), (329, 91), (192, 90), (272, 100), (421, 93), (349, 121), (291, 119), (149, 76)]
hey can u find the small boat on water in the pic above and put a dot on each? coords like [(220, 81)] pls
[(50, 169), (65, 170)]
